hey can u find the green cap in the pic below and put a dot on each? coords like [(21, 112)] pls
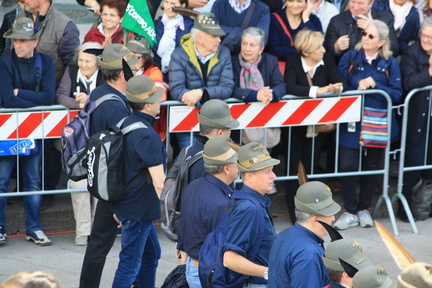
[(218, 152), (23, 28), (138, 44), (141, 89), (372, 277), (112, 57), (349, 251), (417, 275), (315, 198), (207, 22), (215, 113), (253, 157)]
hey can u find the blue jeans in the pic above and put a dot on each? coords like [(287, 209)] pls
[(192, 275), (183, 139), (139, 254), (30, 167)]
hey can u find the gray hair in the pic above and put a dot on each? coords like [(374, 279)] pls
[(257, 33), (383, 34), (302, 217), (213, 169), (426, 23), (194, 31), (206, 130), (87, 45)]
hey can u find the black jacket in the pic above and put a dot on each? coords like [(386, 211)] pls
[(296, 81), (344, 24), (415, 74)]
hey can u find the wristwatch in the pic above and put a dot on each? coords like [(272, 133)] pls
[(265, 276)]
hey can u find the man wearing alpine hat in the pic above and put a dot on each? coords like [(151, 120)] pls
[(296, 255), (250, 225), (145, 156)]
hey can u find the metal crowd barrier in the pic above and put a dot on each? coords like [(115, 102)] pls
[(384, 171), (402, 168)]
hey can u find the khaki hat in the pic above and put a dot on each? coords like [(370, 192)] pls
[(23, 28), (112, 57), (141, 89), (215, 113), (207, 22), (138, 44), (315, 198), (253, 157), (218, 152), (372, 277), (349, 251), (417, 275)]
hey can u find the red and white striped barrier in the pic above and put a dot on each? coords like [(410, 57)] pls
[(45, 124), (283, 113)]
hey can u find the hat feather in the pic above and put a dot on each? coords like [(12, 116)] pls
[(94, 51), (401, 256), (127, 70), (185, 11), (302, 175)]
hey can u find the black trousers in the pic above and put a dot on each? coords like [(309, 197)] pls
[(349, 159), (103, 235)]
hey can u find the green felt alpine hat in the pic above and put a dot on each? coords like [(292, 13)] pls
[(253, 157), (349, 251), (215, 113), (112, 57), (315, 198), (217, 151), (417, 275), (372, 277), (141, 89), (23, 28), (207, 22)]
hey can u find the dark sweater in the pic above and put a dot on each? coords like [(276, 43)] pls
[(20, 73)]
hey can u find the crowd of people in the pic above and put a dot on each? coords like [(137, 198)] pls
[(255, 51)]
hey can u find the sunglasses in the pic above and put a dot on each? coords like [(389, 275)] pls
[(370, 36)]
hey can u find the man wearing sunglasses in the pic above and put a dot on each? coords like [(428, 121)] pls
[(344, 30)]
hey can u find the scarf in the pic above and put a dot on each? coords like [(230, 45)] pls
[(250, 76), (167, 43), (400, 13), (92, 80)]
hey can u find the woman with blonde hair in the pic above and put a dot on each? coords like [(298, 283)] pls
[(369, 66), (310, 73)]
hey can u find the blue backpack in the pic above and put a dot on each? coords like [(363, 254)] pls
[(212, 272)]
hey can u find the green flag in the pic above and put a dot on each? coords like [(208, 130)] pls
[(137, 19)]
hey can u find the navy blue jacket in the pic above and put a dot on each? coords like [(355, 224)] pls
[(231, 22), (159, 26), (270, 73), (110, 112), (279, 43), (20, 73), (409, 32), (243, 230), (203, 205), (143, 149), (415, 74), (377, 70), (296, 260)]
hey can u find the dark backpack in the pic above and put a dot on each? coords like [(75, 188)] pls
[(177, 278), (75, 136), (422, 199), (105, 163), (212, 272), (176, 181)]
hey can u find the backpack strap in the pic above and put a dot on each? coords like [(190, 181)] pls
[(89, 109), (131, 127), (281, 22), (248, 16), (195, 158), (38, 66)]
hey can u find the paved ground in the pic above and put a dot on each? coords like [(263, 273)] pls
[(64, 259)]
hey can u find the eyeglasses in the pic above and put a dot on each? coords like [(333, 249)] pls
[(370, 36), (426, 37)]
